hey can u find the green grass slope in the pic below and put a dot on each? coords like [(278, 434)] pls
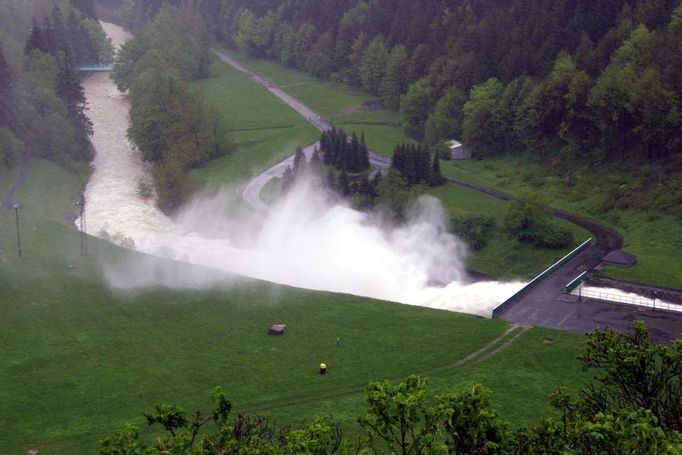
[(78, 360), (502, 256), (264, 129), (656, 241)]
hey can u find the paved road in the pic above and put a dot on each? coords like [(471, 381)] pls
[(251, 193)]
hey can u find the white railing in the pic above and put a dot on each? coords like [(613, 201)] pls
[(627, 299)]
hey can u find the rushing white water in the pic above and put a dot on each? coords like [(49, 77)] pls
[(305, 241)]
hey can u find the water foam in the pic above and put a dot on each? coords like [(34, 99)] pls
[(304, 241)]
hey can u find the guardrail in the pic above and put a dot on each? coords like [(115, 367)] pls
[(610, 297), (577, 281), (502, 307)]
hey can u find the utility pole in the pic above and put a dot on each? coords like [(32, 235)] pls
[(16, 213), (80, 203)]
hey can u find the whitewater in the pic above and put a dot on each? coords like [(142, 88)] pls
[(303, 241)]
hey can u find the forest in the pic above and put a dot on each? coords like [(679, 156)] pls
[(42, 103), (170, 123), (564, 84)]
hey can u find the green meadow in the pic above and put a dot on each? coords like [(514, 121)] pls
[(79, 360)]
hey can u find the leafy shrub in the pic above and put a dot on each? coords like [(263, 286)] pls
[(474, 229), (547, 235), (527, 220)]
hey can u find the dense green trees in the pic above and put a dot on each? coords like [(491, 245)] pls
[(42, 103), (175, 40), (528, 220), (344, 152), (415, 107), (417, 165), (574, 83), (171, 124), (446, 121), (632, 407)]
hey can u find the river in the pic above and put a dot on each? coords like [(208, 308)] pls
[(304, 242)]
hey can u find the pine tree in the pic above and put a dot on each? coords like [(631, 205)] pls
[(5, 90), (49, 37), (58, 34), (86, 7), (364, 153), (70, 90), (37, 39), (344, 184), (5, 76), (299, 162), (324, 148), (353, 163), (287, 179), (436, 174), (315, 164)]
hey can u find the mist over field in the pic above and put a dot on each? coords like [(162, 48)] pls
[(310, 241)]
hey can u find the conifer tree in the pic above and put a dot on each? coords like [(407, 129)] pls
[(436, 174), (37, 39), (86, 7), (5, 89), (315, 164), (344, 183), (353, 163), (58, 32), (364, 153), (287, 179), (49, 37), (70, 90), (299, 162), (5, 77)]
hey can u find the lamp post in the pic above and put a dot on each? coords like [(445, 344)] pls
[(16, 213)]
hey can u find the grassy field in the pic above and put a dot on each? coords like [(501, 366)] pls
[(339, 104), (656, 241), (79, 360), (502, 257), (263, 129), (322, 97), (7, 177)]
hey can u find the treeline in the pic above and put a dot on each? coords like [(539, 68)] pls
[(170, 122), (632, 406), (558, 81), (42, 102), (573, 79)]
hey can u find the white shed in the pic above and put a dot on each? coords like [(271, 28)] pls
[(457, 150)]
